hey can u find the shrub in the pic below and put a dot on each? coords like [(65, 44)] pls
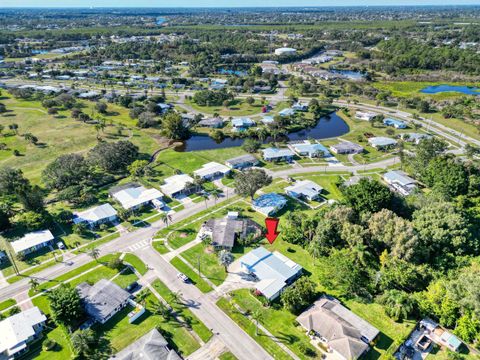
[(49, 344)]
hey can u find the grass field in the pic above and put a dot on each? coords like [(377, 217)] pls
[(201, 284), (7, 303), (238, 107), (135, 261)]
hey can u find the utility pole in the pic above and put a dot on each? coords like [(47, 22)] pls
[(13, 263)]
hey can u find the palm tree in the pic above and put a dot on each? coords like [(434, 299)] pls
[(398, 304), (166, 218), (215, 194), (257, 315), (141, 297), (94, 253), (225, 258), (176, 297), (204, 195), (34, 283), (159, 308)]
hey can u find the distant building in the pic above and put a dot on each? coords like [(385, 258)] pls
[(95, 216), (310, 150), (285, 51), (102, 300), (286, 112), (164, 107), (346, 147), (366, 116), (19, 330), (211, 171), (415, 138), (400, 182), (306, 189), (32, 242), (212, 122), (354, 180), (344, 333), (397, 124), (134, 197), (269, 204), (273, 270), (242, 123), (151, 346), (382, 143), (242, 162), (267, 120), (300, 106), (276, 154), (89, 95), (178, 185)]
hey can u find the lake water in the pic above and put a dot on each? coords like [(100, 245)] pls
[(436, 89), (161, 20), (328, 126)]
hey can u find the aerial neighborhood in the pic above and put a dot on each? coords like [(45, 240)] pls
[(239, 181)]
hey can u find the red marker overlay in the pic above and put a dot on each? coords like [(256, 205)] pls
[(271, 224)]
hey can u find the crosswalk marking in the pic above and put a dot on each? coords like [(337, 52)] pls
[(139, 245)]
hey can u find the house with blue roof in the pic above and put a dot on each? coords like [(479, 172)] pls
[(397, 124), (276, 154), (310, 150), (273, 270), (240, 124), (269, 204), (286, 112)]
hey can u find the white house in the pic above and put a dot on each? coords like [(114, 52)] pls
[(137, 196), (367, 116), (18, 330), (381, 142), (212, 170), (305, 189), (32, 241), (176, 185), (400, 182), (97, 215)]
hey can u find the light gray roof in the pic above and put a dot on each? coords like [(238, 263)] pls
[(211, 168), (345, 146), (95, 214), (306, 188), (242, 159), (398, 177), (135, 196), (176, 183), (101, 299), (382, 141), (211, 122), (151, 346), (343, 329), (31, 239)]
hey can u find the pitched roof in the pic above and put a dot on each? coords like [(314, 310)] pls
[(17, 328), (269, 203), (135, 196), (306, 188), (211, 168), (347, 146), (224, 230), (101, 299), (382, 141), (176, 183), (277, 153), (95, 214), (31, 239), (242, 159), (151, 346), (343, 329), (398, 177)]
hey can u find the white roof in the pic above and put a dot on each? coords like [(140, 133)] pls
[(18, 328), (305, 187), (95, 214), (211, 168), (135, 196), (31, 239), (176, 183)]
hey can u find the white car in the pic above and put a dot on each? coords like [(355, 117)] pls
[(60, 245), (183, 277)]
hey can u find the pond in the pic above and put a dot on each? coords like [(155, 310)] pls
[(327, 127), (161, 20), (436, 89)]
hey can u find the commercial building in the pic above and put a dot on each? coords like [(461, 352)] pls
[(285, 51)]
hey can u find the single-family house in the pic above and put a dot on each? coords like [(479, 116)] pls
[(225, 231), (177, 185), (276, 154), (344, 333), (242, 162), (354, 180), (439, 335), (269, 204), (286, 112), (164, 107), (382, 143), (89, 95), (397, 124), (300, 106), (305, 189), (310, 150), (102, 300), (19, 330), (415, 138), (216, 122), (32, 241), (97, 215), (242, 123), (212, 170), (346, 147), (267, 120), (136, 196), (273, 270), (151, 346), (364, 115), (400, 182)]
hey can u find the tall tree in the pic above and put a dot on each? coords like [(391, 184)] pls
[(66, 305), (248, 182)]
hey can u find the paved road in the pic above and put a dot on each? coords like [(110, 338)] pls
[(203, 306)]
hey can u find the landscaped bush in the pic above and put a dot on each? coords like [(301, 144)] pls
[(49, 344)]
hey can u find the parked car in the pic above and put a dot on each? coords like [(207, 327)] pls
[(183, 277), (132, 287)]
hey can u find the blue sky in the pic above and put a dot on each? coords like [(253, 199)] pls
[(223, 3)]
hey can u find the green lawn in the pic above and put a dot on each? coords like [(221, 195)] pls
[(227, 356), (159, 245), (7, 303), (138, 264), (202, 285), (181, 309), (249, 327), (238, 107)]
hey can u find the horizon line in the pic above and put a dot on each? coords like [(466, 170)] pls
[(237, 7)]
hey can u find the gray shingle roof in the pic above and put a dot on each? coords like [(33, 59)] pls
[(151, 346)]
